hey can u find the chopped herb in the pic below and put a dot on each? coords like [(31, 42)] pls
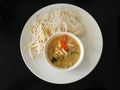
[(68, 56), (74, 52), (53, 59), (62, 57)]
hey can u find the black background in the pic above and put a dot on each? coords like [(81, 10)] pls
[(14, 75)]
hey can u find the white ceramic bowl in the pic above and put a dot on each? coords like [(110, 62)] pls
[(78, 61)]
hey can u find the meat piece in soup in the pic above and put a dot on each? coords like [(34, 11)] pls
[(63, 51)]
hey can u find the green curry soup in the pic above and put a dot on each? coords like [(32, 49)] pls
[(63, 51)]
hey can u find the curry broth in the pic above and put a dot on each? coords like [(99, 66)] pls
[(64, 59)]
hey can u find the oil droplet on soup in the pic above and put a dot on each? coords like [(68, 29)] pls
[(63, 51)]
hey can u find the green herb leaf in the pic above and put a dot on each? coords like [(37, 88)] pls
[(53, 59)]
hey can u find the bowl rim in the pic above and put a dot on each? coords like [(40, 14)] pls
[(81, 54)]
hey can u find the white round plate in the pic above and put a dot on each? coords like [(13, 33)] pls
[(92, 41)]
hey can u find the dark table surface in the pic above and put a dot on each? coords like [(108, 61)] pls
[(14, 75)]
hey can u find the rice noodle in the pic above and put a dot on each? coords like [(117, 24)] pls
[(62, 20)]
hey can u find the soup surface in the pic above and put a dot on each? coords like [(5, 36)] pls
[(63, 51)]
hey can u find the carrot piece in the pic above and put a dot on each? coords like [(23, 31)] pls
[(63, 45), (65, 37)]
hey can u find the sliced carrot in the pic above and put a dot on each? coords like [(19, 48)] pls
[(65, 37), (63, 45)]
